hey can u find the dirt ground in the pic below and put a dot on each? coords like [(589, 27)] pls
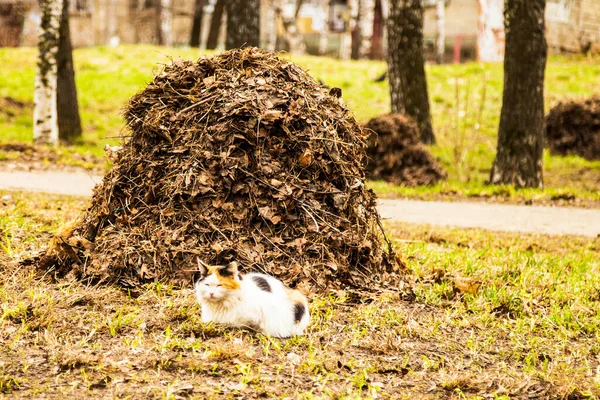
[(436, 338), (64, 339)]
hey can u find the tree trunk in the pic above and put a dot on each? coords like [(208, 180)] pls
[(376, 39), (165, 23), (69, 122), (295, 37), (13, 16), (111, 23), (356, 34), (270, 27), (408, 85), (520, 136), (215, 25), (45, 115), (243, 23), (288, 35), (297, 10), (197, 23), (440, 42)]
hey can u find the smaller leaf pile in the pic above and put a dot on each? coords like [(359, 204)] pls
[(574, 128), (396, 155), (244, 157)]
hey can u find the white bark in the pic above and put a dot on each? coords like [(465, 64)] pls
[(323, 26), (270, 26), (111, 23), (166, 23), (440, 42), (367, 14), (294, 36), (45, 114), (385, 11), (345, 46), (490, 34), (323, 42)]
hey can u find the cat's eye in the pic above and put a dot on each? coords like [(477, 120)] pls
[(219, 285)]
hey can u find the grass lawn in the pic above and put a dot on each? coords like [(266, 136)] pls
[(488, 316), (465, 101)]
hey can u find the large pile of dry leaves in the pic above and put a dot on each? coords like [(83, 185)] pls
[(239, 156), (573, 127), (395, 153)]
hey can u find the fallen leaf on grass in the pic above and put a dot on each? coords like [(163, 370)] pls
[(466, 285)]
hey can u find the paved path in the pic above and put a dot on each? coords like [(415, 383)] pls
[(496, 217), (80, 184), (533, 219)]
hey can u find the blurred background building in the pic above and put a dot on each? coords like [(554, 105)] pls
[(338, 28)]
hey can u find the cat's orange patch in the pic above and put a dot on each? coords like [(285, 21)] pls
[(296, 296), (228, 282)]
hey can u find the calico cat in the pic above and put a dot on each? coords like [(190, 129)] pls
[(256, 301)]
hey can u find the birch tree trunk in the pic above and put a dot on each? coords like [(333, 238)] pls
[(215, 25), (69, 122), (406, 64), (243, 23), (521, 133), (111, 22), (45, 114), (440, 42), (165, 23), (295, 37), (270, 26)]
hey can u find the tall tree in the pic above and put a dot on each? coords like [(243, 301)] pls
[(243, 23), (520, 135), (69, 122), (291, 39), (406, 64), (356, 33), (45, 115), (440, 40), (56, 111), (215, 25), (197, 23), (13, 16), (165, 23), (376, 39), (111, 21)]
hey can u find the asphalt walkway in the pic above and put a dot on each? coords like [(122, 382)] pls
[(497, 217)]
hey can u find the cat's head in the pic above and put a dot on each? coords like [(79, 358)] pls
[(217, 282)]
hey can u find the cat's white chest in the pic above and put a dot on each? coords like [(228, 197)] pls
[(237, 314)]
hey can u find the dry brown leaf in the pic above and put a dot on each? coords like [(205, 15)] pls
[(466, 285)]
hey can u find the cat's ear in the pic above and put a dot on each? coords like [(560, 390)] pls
[(202, 268), (230, 269)]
